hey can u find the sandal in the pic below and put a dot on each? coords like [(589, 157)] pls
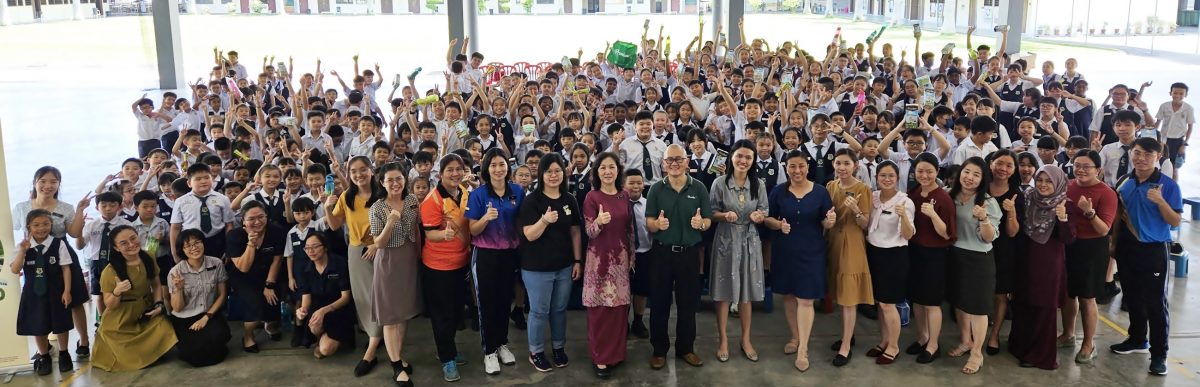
[(961, 350), (972, 367), (875, 352)]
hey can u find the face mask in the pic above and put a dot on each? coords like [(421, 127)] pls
[(528, 128)]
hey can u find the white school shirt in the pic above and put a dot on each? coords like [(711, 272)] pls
[(360, 147), (187, 212), (866, 171), (631, 156), (188, 120), (1174, 124), (239, 71), (320, 211), (157, 228), (1098, 116), (93, 230), (316, 142), (64, 252), (642, 234), (968, 149), (290, 245), (148, 128)]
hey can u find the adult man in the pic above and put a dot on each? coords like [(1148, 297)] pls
[(1150, 205), (677, 212)]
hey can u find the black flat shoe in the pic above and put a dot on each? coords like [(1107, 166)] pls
[(251, 349), (915, 348), (602, 373), (397, 368), (991, 351), (64, 362), (364, 367), (837, 345), (926, 357), (840, 360), (41, 364), (277, 336)]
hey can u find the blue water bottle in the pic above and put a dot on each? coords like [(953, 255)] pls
[(329, 184)]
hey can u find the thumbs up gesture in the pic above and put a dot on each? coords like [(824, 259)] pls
[(1009, 205), (758, 216), (698, 221), (663, 222), (450, 233), (830, 217), (491, 214), (603, 217), (979, 212), (784, 226), (1084, 204), (550, 216), (1061, 211)]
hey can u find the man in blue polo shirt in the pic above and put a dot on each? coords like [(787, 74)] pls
[(1150, 205)]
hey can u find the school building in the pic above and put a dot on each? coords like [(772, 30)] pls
[(1041, 17)]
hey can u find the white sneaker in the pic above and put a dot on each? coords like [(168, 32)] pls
[(491, 365), (506, 356)]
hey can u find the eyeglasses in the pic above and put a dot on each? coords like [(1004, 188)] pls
[(128, 242), (312, 247), (915, 143), (675, 160), (256, 219), (193, 244), (1084, 167)]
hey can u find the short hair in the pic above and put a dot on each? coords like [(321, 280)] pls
[(140, 197), (643, 115), (109, 197), (198, 168), (423, 157), (1148, 144), (303, 204), (1077, 142), (1127, 116), (983, 124), (316, 169), (1047, 142), (1090, 154), (1179, 85), (180, 186)]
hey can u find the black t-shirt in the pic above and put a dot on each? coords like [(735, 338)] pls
[(272, 246), (325, 288), (553, 250)]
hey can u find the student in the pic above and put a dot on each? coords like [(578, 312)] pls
[(914, 144), (1026, 128), (1103, 124), (821, 148), (150, 125), (1115, 156), (869, 163), (770, 170), (1177, 118), (97, 235), (1150, 206), (274, 201), (980, 145), (645, 152), (152, 231), (1047, 149), (46, 295), (640, 279), (202, 209)]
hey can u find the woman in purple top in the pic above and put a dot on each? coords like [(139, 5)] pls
[(492, 212), (608, 221)]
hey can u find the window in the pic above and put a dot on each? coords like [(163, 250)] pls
[(991, 3), (18, 3), (548, 2)]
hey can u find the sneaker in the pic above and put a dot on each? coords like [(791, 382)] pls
[(491, 364), (518, 318), (82, 351), (1127, 347), (450, 371), (560, 357), (41, 364), (64, 362), (506, 356), (1158, 367), (540, 363), (459, 359), (638, 329)]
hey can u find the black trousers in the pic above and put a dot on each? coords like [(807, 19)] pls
[(676, 272), (494, 272), (145, 146), (168, 140), (445, 293), (1143, 268)]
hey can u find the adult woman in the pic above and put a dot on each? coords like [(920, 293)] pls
[(928, 249), (801, 212), (1087, 258), (64, 220), (972, 268), (255, 255), (133, 333), (1005, 188), (550, 259), (608, 219), (198, 293), (397, 291), (851, 277), (325, 298), (444, 260), (492, 214), (1041, 270), (887, 253), (739, 202), (352, 209)]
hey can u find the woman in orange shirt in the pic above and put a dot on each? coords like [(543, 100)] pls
[(444, 259)]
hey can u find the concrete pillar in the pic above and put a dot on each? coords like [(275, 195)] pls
[(734, 11), (454, 16), (718, 12), (899, 11), (860, 9), (472, 11), (4, 20), (76, 10), (949, 16), (167, 44), (1014, 16), (828, 7)]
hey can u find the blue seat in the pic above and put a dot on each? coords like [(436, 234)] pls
[(1195, 203)]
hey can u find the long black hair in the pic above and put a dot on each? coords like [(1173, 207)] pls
[(119, 265), (42, 172), (751, 175), (620, 183), (985, 173), (352, 192), (383, 170)]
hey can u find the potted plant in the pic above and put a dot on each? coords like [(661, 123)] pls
[(1171, 28), (1092, 30), (1104, 28), (1137, 27)]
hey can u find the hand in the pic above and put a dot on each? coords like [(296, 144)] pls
[(1009, 206), (1098, 142), (25, 244), (852, 203), (66, 299), (317, 320), (979, 212), (928, 210), (551, 216), (1061, 211), (1085, 204), (1147, 84), (697, 221), (576, 270), (603, 217), (253, 239), (199, 324), (970, 30), (784, 226), (449, 232), (831, 215), (1155, 196), (292, 284), (153, 312), (491, 214), (394, 216), (663, 222), (369, 255), (301, 313), (269, 294), (122, 287), (85, 202), (758, 216), (900, 210), (731, 217), (177, 281), (333, 73)]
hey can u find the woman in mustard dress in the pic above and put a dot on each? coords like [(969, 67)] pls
[(134, 332), (850, 278)]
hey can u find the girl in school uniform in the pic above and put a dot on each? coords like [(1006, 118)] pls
[(274, 201), (46, 296)]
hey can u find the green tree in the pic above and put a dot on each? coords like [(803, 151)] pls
[(504, 6), (433, 5), (528, 5)]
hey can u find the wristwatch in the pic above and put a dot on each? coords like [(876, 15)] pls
[(1090, 215)]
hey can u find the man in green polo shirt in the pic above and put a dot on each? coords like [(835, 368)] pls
[(677, 212)]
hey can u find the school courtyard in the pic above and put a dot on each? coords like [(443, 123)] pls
[(66, 88)]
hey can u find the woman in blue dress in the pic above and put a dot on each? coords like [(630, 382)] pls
[(799, 212)]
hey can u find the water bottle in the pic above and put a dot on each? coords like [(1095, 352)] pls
[(329, 184), (1179, 159), (904, 310), (413, 75)]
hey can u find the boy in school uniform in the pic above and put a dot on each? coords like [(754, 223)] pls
[(641, 279), (202, 209), (981, 141), (97, 234), (644, 152), (150, 124), (819, 151), (1177, 118), (152, 231), (868, 161)]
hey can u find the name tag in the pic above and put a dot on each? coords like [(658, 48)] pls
[(335, 276)]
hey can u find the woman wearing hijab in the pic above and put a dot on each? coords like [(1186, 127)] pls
[(1040, 270)]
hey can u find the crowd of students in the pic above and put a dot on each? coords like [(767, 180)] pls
[(959, 181)]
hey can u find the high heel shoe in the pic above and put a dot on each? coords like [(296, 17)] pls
[(991, 351)]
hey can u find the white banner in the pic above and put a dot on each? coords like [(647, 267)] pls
[(14, 350)]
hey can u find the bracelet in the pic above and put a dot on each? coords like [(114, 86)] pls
[(270, 284), (1090, 215), (208, 314)]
